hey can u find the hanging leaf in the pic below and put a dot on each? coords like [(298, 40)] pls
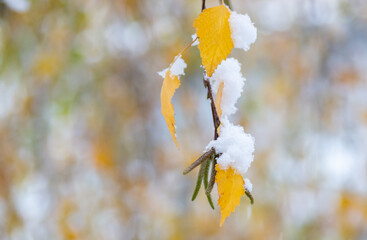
[(230, 189), (218, 99), (213, 30), (170, 84)]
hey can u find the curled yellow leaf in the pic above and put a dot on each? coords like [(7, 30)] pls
[(218, 99), (230, 189), (218, 102), (169, 86), (213, 30)]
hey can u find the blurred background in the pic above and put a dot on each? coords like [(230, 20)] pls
[(85, 152)]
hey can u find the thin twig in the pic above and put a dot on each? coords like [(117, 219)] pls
[(203, 160), (199, 161), (216, 123), (216, 120)]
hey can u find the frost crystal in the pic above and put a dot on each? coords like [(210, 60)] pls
[(243, 31), (177, 68), (236, 147), (229, 72)]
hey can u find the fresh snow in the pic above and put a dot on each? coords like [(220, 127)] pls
[(194, 36), (243, 30), (229, 72), (177, 68), (236, 147), (248, 184)]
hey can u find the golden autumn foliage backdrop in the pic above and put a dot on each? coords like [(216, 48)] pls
[(86, 154)]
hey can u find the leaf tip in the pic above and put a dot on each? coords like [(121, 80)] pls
[(222, 221)]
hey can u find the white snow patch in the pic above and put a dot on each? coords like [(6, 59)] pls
[(18, 5), (194, 36), (243, 31), (177, 68), (229, 72), (248, 184), (236, 147)]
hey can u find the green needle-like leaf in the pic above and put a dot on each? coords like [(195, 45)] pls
[(206, 178), (199, 180)]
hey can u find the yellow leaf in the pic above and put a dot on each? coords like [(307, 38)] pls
[(218, 102), (230, 189), (218, 99), (215, 42), (170, 84)]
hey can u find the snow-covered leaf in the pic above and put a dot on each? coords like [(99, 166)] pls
[(170, 84)]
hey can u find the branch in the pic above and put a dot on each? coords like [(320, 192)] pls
[(210, 157), (199, 161), (216, 120)]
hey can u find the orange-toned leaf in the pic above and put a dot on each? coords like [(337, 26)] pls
[(213, 30), (170, 84), (218, 102), (218, 99), (230, 189)]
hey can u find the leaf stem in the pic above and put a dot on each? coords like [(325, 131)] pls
[(180, 53), (226, 2)]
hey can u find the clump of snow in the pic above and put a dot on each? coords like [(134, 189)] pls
[(18, 5), (243, 31), (229, 72), (163, 73), (236, 147), (248, 184), (194, 36), (177, 68)]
